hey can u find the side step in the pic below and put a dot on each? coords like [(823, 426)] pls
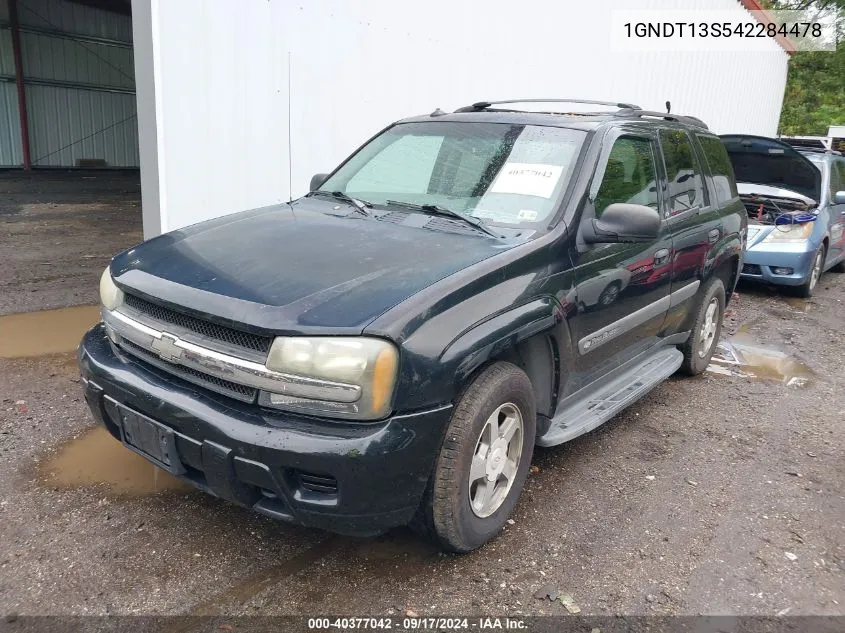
[(601, 404)]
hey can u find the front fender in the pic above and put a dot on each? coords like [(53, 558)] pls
[(490, 338), (436, 378)]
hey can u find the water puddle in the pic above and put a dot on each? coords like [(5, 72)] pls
[(796, 303), (748, 359), (97, 459), (46, 332)]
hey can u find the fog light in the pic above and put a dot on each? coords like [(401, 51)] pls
[(782, 271)]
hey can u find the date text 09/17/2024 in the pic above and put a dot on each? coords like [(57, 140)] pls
[(417, 624)]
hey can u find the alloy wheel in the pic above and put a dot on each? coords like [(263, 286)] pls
[(496, 460), (708, 328), (817, 269)]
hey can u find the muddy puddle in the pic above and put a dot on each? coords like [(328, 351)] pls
[(796, 303), (45, 332), (96, 459), (746, 358)]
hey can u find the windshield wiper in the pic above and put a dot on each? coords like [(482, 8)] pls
[(360, 205), (433, 209)]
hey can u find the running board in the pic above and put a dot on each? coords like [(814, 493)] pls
[(601, 404)]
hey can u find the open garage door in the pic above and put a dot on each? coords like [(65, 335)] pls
[(69, 66)]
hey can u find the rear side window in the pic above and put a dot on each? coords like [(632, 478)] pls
[(686, 190), (837, 176), (628, 176), (717, 159)]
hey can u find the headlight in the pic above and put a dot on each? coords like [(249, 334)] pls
[(790, 232), (110, 295), (346, 377)]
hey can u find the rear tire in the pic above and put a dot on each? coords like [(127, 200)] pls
[(480, 473), (806, 291), (706, 329)]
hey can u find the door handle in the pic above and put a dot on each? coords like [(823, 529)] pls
[(714, 235), (661, 256)]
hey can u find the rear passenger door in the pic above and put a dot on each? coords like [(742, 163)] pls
[(692, 220)]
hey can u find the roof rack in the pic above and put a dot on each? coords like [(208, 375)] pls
[(625, 109), (483, 105), (688, 120), (816, 150)]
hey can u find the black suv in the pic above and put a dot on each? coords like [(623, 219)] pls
[(390, 348)]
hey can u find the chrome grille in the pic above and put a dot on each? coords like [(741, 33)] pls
[(225, 387), (206, 329)]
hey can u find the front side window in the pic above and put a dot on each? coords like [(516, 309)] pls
[(629, 175), (686, 190), (503, 173), (724, 180)]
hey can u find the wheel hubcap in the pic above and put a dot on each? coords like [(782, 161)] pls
[(496, 460), (610, 295), (708, 328), (817, 270)]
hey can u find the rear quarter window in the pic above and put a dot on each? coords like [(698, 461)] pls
[(716, 157), (837, 176)]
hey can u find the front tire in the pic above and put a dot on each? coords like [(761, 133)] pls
[(706, 329), (484, 460), (806, 291)]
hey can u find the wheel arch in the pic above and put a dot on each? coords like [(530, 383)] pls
[(728, 272), (529, 337)]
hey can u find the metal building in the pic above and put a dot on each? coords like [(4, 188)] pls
[(67, 66), (239, 102)]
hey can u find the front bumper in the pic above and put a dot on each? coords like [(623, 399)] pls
[(761, 260), (351, 478)]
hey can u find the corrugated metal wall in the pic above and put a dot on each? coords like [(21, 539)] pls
[(10, 137), (80, 86)]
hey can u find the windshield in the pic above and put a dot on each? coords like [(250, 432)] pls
[(500, 173)]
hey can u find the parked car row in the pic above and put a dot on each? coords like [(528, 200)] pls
[(390, 348), (795, 198)]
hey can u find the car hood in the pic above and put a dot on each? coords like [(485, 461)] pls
[(750, 188), (770, 162), (316, 267)]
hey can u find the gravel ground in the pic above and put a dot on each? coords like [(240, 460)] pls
[(719, 494), (58, 230)]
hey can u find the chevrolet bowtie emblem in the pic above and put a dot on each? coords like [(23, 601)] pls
[(166, 348)]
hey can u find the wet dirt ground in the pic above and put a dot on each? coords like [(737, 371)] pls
[(58, 230), (721, 494)]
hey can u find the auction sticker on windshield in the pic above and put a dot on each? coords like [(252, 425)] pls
[(527, 179)]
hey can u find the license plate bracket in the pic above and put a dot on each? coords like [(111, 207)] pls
[(150, 439)]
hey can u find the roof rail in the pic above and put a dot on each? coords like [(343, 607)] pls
[(816, 150), (483, 105), (625, 109), (688, 120)]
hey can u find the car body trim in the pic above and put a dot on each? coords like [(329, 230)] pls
[(682, 294), (623, 325), (174, 350)]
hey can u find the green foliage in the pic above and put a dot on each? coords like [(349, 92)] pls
[(815, 87)]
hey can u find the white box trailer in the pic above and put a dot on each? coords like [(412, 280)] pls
[(239, 103)]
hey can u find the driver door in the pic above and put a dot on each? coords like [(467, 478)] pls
[(621, 290)]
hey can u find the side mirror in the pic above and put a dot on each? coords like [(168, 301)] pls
[(317, 180), (839, 197), (622, 222)]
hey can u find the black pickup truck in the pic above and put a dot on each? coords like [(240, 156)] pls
[(390, 348)]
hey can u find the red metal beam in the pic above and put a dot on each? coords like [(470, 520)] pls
[(16, 53)]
